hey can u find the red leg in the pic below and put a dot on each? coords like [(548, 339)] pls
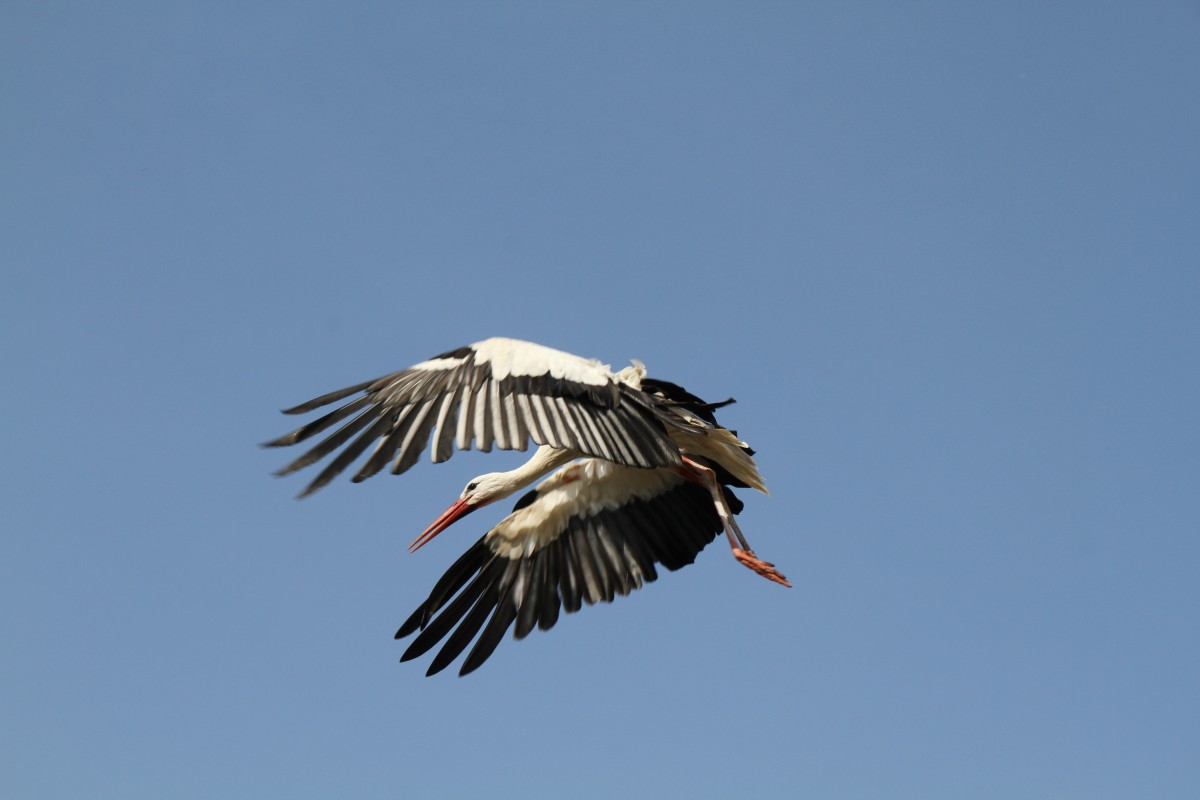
[(737, 542)]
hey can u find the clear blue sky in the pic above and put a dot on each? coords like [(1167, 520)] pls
[(943, 254)]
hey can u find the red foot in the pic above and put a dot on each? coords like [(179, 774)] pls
[(764, 568)]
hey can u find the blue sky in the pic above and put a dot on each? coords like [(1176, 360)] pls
[(943, 254)]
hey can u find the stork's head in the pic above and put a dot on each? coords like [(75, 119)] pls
[(487, 488), (478, 493)]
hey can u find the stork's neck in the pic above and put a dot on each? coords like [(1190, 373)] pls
[(543, 461)]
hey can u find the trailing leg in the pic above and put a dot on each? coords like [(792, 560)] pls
[(737, 541)]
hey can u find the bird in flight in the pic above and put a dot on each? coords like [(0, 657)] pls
[(636, 473)]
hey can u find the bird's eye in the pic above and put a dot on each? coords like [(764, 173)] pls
[(472, 486)]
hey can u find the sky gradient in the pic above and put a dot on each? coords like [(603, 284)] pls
[(944, 255)]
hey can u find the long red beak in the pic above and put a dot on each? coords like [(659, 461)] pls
[(451, 515)]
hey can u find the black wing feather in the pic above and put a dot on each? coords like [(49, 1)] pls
[(466, 630), (594, 559)]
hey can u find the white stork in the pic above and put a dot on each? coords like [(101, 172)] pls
[(640, 474)]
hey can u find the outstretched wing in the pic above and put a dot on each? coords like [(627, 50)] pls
[(500, 392), (562, 546)]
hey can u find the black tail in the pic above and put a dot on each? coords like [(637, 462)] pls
[(676, 395)]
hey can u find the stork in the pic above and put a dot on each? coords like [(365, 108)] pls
[(637, 472)]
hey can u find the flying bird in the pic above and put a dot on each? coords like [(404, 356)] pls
[(636, 473)]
